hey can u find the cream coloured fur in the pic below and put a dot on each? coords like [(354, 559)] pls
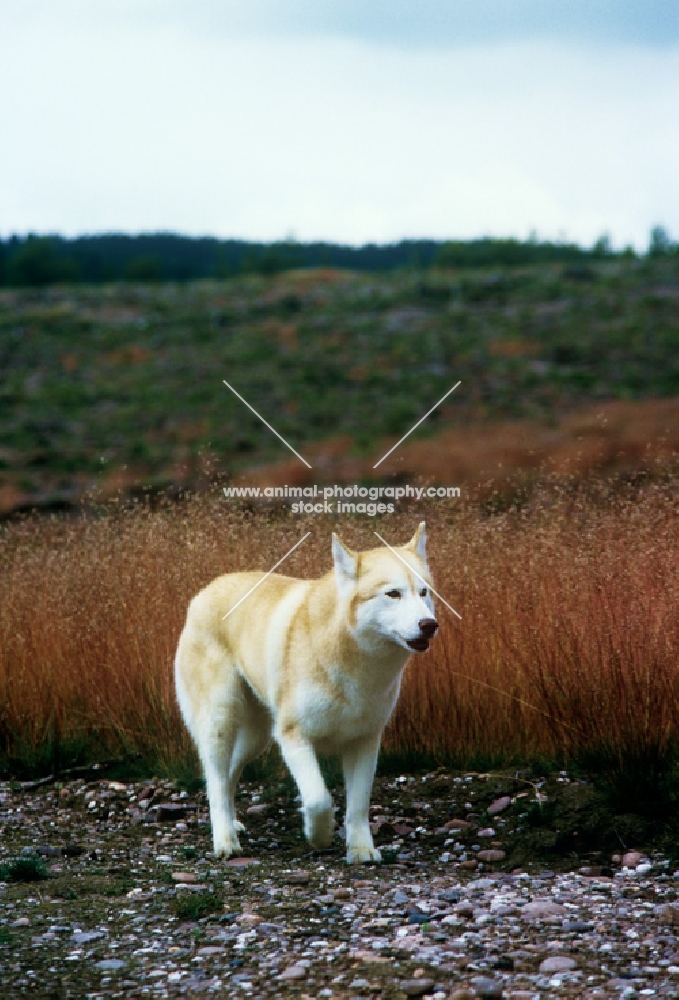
[(315, 665)]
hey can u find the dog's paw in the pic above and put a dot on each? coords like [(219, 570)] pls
[(319, 827), (239, 827), (361, 853), (224, 847)]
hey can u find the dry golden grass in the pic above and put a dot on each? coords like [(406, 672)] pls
[(620, 436), (568, 643)]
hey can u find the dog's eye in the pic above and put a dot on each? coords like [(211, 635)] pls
[(394, 593), (423, 592)]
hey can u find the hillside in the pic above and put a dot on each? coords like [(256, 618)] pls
[(120, 385)]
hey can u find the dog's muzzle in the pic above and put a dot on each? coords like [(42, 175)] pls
[(428, 628)]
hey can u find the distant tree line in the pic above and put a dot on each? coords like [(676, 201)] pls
[(43, 260)]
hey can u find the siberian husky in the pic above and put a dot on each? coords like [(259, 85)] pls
[(315, 665)]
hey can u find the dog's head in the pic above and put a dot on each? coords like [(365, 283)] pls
[(388, 593)]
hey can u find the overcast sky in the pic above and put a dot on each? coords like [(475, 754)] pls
[(349, 120)]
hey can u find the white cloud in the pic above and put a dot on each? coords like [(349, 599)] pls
[(134, 123)]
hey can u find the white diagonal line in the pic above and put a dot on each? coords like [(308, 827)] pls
[(425, 582), (265, 575), (272, 429), (415, 426)]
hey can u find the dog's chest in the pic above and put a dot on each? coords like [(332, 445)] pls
[(345, 710)]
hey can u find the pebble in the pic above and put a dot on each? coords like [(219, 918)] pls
[(435, 926), (487, 988), (298, 878), (85, 937), (558, 963), (499, 805), (542, 909), (417, 987), (293, 972), (492, 855)]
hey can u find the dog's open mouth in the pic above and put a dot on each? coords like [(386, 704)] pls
[(420, 645)]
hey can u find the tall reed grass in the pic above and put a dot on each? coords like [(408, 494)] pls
[(568, 644)]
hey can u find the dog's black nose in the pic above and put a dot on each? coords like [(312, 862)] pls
[(428, 626)]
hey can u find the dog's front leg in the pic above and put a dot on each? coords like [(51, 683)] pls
[(316, 801), (359, 762)]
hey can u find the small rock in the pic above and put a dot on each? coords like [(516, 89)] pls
[(257, 810), (669, 914), (181, 827), (184, 877), (488, 831), (417, 987), (21, 922), (84, 937), (417, 917), (542, 909), (359, 984), (631, 859), (468, 864), (457, 824), (449, 896), (346, 894), (297, 878), (499, 805), (558, 963), (241, 862), (367, 956), (492, 855), (269, 929), (487, 988), (293, 972), (110, 964)]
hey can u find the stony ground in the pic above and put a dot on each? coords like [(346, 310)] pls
[(109, 890)]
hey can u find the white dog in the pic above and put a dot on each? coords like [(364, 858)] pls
[(315, 665)]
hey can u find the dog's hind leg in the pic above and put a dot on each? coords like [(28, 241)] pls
[(237, 729)]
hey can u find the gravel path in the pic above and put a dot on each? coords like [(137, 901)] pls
[(134, 905)]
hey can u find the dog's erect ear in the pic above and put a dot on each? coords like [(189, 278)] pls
[(418, 543), (345, 561)]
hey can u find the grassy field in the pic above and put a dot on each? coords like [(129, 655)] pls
[(117, 386), (567, 649)]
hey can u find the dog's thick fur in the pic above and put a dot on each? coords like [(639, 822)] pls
[(315, 665)]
